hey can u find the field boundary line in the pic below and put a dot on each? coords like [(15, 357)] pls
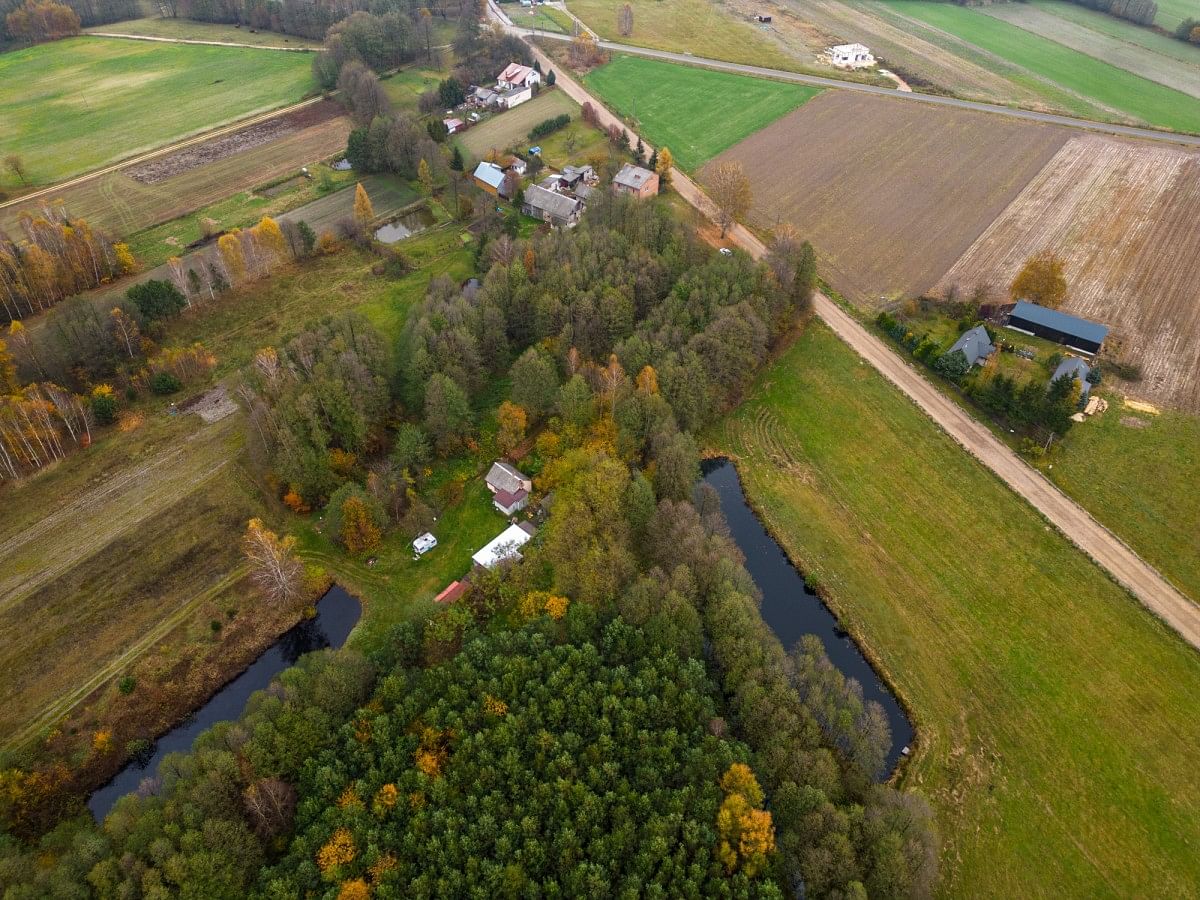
[(1093, 539), (162, 151), (167, 40), (702, 62), (68, 702)]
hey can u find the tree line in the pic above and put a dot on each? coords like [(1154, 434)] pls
[(46, 19)]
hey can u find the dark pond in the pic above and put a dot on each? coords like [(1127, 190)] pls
[(408, 224), (337, 613), (791, 608)]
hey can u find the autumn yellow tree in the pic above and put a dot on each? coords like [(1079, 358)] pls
[(747, 836), (8, 371), (647, 381), (513, 422), (125, 332), (270, 238), (1041, 281), (126, 264), (425, 176), (665, 162), (364, 213), (274, 567), (359, 533), (337, 851), (230, 250), (730, 191)]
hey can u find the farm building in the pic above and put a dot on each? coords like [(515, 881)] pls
[(636, 181), (552, 207), (507, 99), (491, 178), (851, 56), (573, 176), (484, 96), (503, 477), (453, 591), (510, 503), (1072, 331), (975, 345), (505, 545), (453, 126), (518, 76), (1074, 367)]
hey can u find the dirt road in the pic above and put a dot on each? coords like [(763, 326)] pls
[(167, 40), (1105, 548)]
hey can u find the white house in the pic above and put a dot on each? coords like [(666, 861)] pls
[(518, 76), (505, 545), (510, 97), (851, 56)]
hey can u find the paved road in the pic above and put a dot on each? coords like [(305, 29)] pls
[(1104, 547), (913, 96), (167, 40), (161, 151)]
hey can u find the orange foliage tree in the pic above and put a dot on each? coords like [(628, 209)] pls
[(359, 533), (512, 421), (747, 836)]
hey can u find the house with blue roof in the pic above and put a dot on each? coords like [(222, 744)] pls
[(1074, 367), (1060, 327)]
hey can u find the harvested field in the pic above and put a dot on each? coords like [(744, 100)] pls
[(1123, 216), (891, 203), (159, 169), (118, 203), (389, 194)]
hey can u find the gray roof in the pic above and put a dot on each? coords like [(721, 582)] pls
[(504, 477), (557, 205), (584, 192), (1060, 321), (490, 174), (632, 176), (974, 344), (1076, 367)]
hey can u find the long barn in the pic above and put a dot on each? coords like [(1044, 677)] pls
[(1063, 328)]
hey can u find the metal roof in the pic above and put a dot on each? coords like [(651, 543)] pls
[(504, 477), (504, 546), (632, 176), (490, 174), (1060, 321), (558, 205), (974, 344)]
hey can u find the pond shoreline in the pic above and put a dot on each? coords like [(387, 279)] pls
[(713, 458)]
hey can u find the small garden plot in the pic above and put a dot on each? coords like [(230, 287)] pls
[(510, 128)]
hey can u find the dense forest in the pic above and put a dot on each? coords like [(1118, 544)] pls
[(608, 714)]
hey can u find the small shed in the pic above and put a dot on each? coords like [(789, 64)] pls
[(975, 345), (424, 543), (1074, 367), (504, 546), (454, 125), (1071, 331), (453, 591)]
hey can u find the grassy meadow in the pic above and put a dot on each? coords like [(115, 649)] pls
[(191, 30), (695, 112), (75, 105), (1091, 78), (686, 26), (1056, 733), (511, 128)]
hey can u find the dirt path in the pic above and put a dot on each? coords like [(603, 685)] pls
[(166, 40), (161, 151), (1105, 548)]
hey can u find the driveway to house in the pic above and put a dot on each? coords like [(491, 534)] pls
[(1105, 548), (914, 96)]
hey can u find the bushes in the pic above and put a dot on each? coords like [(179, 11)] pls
[(156, 299), (164, 383), (549, 126)]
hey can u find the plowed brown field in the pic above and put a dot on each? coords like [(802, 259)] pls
[(1125, 218), (890, 194)]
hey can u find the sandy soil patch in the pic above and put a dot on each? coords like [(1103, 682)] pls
[(1125, 218)]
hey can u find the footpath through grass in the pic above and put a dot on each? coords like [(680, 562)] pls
[(1089, 77), (697, 113), (71, 106), (1056, 716), (191, 30)]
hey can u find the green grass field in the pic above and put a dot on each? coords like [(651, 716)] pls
[(404, 88), (697, 113), (74, 105), (1172, 12), (1136, 474), (511, 128), (544, 18), (1056, 716), (1130, 94), (191, 30), (1123, 29)]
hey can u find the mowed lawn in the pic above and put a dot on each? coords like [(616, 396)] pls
[(511, 128), (697, 113), (1092, 78), (71, 106), (1057, 735)]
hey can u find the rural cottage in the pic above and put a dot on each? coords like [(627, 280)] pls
[(975, 345), (551, 207), (636, 181), (492, 179)]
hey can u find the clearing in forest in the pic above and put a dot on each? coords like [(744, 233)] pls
[(1055, 714), (695, 112), (74, 105), (889, 193), (1123, 216)]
